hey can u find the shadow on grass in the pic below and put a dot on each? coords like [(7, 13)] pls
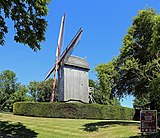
[(16, 130), (95, 126)]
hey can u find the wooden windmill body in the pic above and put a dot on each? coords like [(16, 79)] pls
[(73, 80), (72, 71)]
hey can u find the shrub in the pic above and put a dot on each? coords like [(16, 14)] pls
[(72, 110)]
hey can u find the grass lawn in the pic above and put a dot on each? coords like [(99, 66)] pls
[(12, 126)]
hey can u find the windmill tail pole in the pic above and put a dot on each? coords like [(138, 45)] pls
[(54, 85), (54, 78)]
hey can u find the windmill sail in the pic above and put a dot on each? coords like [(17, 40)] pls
[(67, 52), (72, 45), (49, 73), (60, 39)]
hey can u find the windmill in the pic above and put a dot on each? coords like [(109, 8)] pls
[(62, 58)]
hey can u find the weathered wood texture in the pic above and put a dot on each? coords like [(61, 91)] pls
[(73, 80)]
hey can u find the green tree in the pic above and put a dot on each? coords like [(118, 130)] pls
[(45, 91), (11, 91), (141, 102), (106, 74), (33, 90), (8, 85), (42, 91), (20, 95), (138, 62), (155, 93), (92, 83), (29, 22)]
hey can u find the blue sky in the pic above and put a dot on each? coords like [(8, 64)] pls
[(104, 23)]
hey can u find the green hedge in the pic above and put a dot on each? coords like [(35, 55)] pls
[(73, 110)]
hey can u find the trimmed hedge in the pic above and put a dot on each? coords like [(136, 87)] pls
[(73, 110)]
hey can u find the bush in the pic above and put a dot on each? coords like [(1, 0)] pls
[(72, 110)]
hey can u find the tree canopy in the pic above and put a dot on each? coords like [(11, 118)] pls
[(106, 75), (29, 21), (138, 64), (10, 90), (41, 91), (136, 71)]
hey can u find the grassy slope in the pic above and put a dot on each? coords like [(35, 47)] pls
[(29, 127)]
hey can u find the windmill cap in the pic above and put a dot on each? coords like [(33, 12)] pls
[(77, 62)]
